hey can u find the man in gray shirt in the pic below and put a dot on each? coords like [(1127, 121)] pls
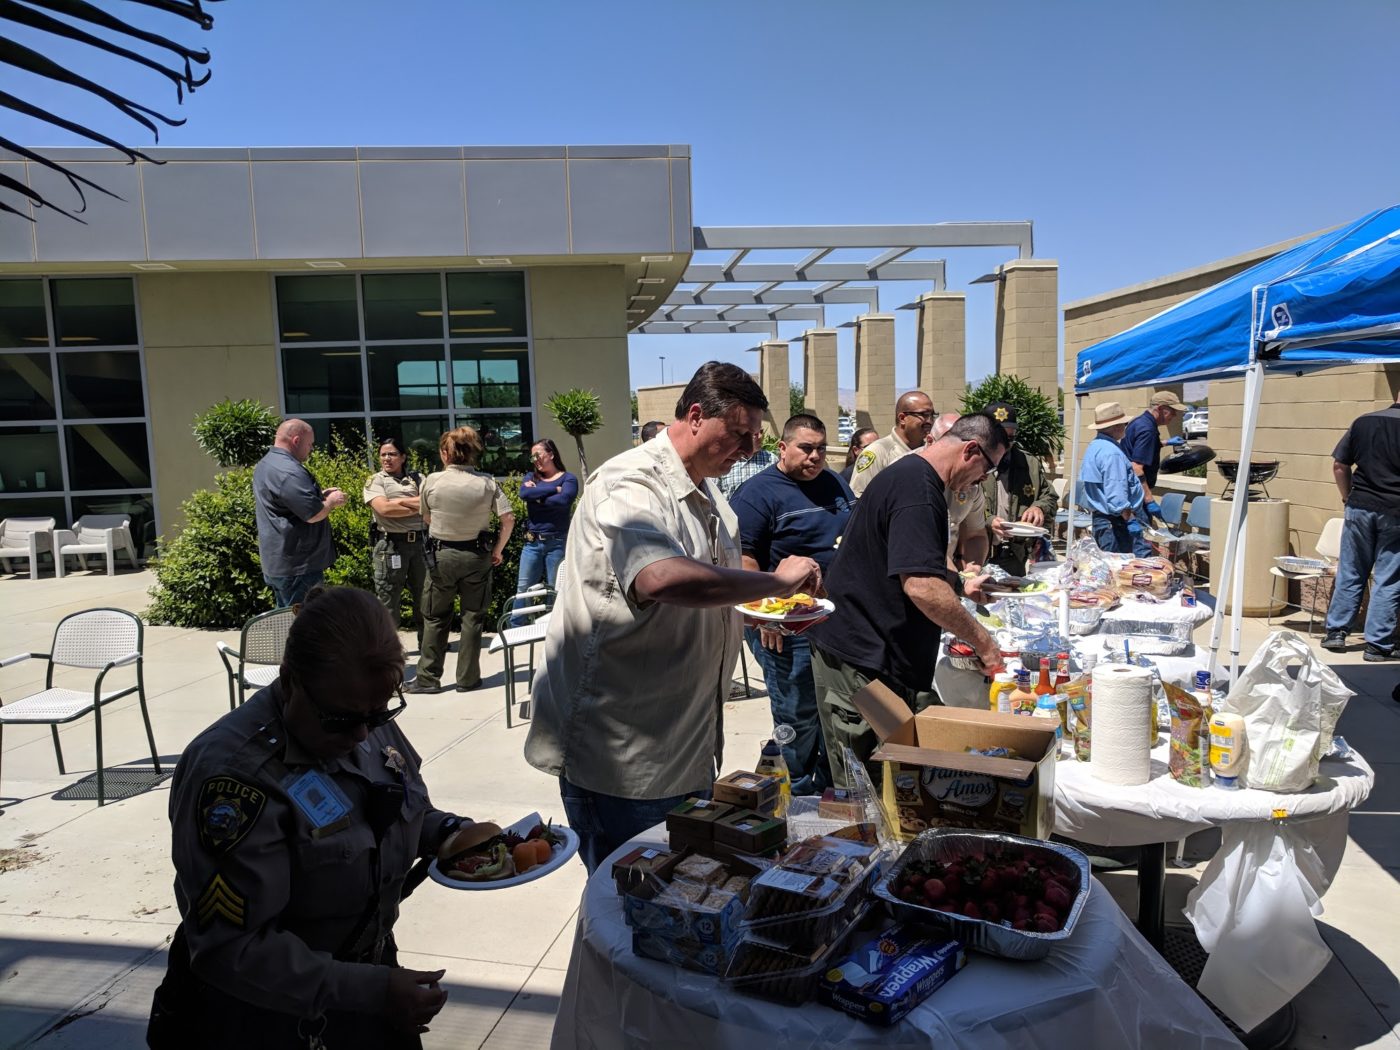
[(294, 537)]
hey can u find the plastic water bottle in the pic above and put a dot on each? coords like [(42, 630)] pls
[(1047, 707), (771, 763)]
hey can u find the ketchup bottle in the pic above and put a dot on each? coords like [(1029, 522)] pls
[(1061, 669), (1043, 686)]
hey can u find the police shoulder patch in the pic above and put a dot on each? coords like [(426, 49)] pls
[(221, 900), (865, 459), (228, 809)]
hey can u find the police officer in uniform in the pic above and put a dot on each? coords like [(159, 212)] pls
[(1019, 492), (296, 820), (913, 420), (397, 533)]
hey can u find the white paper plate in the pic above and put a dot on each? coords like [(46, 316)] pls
[(1025, 529), (823, 608), (562, 853), (1018, 596)]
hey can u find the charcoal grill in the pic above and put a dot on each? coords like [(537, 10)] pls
[(1260, 474)]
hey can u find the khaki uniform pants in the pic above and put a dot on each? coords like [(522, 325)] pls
[(459, 574), (389, 582), (842, 724)]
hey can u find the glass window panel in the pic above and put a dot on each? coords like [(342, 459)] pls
[(26, 387), (22, 321), (102, 385), (320, 309), (29, 460), (108, 456), (419, 433), (506, 438), (407, 378), (322, 380), (339, 433), (94, 312), (403, 306), (485, 376), (45, 507), (136, 504), (485, 305)]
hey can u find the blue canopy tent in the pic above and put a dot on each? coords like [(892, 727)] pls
[(1332, 300)]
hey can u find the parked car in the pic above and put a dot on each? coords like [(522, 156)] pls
[(1196, 423), (845, 430)]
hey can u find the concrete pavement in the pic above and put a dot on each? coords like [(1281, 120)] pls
[(87, 907)]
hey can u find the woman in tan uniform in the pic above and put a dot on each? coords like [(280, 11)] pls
[(457, 504)]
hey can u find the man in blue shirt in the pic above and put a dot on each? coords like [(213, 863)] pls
[(1144, 447), (294, 537), (1111, 488), (795, 506)]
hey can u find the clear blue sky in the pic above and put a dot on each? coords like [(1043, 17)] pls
[(1140, 138)]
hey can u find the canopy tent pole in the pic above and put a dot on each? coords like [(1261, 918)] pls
[(1073, 470), (1232, 563)]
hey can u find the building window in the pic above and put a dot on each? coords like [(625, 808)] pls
[(74, 436), (410, 355)]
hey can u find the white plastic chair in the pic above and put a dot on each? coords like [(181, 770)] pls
[(508, 638), (95, 534), (100, 639), (26, 538), (1329, 549), (259, 653)]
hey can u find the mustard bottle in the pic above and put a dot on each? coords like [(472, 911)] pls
[(999, 698)]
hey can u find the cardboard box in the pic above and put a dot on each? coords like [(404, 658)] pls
[(890, 974), (631, 871), (755, 791), (929, 779), (694, 820), (749, 832)]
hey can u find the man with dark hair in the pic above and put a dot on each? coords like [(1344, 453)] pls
[(651, 429), (796, 506), (628, 699), (913, 419), (294, 537), (1143, 446), (889, 583)]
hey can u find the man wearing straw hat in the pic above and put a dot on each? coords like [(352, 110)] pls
[(1111, 487)]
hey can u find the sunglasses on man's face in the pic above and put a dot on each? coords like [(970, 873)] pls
[(338, 723), (991, 467)]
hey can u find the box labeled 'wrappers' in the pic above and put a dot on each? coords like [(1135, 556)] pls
[(931, 778)]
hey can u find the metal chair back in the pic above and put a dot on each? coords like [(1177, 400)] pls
[(96, 637), (265, 637)]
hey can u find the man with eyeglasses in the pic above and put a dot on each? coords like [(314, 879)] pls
[(628, 701), (296, 823), (890, 585), (799, 507), (967, 518), (913, 420)]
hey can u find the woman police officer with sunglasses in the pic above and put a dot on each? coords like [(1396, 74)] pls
[(296, 820)]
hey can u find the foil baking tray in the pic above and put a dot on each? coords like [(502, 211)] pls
[(1001, 939)]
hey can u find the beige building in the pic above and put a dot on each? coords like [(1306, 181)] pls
[(371, 291), (1300, 420)]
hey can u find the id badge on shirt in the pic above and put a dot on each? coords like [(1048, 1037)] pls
[(320, 801)]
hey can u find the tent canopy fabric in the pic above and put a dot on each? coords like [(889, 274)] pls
[(1332, 300)]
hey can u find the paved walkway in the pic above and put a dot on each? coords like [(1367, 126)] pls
[(86, 906)]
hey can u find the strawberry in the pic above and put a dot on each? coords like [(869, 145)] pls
[(1057, 896), (935, 890)]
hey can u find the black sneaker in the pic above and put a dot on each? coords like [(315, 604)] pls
[(1375, 654), (420, 686), (1336, 641)]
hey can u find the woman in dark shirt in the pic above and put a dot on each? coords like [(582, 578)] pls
[(548, 492)]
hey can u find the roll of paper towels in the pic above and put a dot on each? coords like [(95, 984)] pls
[(1122, 705)]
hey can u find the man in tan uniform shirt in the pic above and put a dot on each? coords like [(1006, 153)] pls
[(913, 420)]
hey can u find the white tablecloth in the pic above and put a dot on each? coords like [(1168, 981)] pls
[(1105, 987)]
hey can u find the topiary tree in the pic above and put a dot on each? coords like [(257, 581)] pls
[(1039, 431), (236, 433), (578, 413)]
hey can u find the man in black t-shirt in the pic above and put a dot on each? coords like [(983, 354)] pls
[(1366, 467), (890, 587)]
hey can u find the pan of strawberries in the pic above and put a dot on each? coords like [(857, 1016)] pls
[(1001, 894)]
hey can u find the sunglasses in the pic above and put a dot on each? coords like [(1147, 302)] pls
[(925, 416), (991, 467), (337, 723)]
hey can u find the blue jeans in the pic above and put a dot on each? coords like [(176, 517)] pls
[(604, 822), (792, 696), (539, 563), (1111, 534), (290, 590), (1370, 545)]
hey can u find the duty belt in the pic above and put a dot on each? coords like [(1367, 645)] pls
[(480, 546), (403, 537)]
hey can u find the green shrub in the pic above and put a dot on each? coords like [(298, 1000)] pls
[(503, 577), (1039, 431), (236, 433), (209, 576)]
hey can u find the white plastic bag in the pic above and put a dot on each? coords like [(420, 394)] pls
[(1290, 702)]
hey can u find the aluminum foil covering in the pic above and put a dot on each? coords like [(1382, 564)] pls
[(1146, 624), (947, 844)]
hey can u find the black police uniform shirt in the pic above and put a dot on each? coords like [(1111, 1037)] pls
[(900, 526), (1372, 446)]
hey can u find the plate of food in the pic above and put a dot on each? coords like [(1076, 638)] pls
[(485, 857), (798, 609), (1024, 529), (995, 590)]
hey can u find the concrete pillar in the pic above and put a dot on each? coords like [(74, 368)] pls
[(1027, 322), (942, 324), (819, 378), (774, 378), (875, 391)]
